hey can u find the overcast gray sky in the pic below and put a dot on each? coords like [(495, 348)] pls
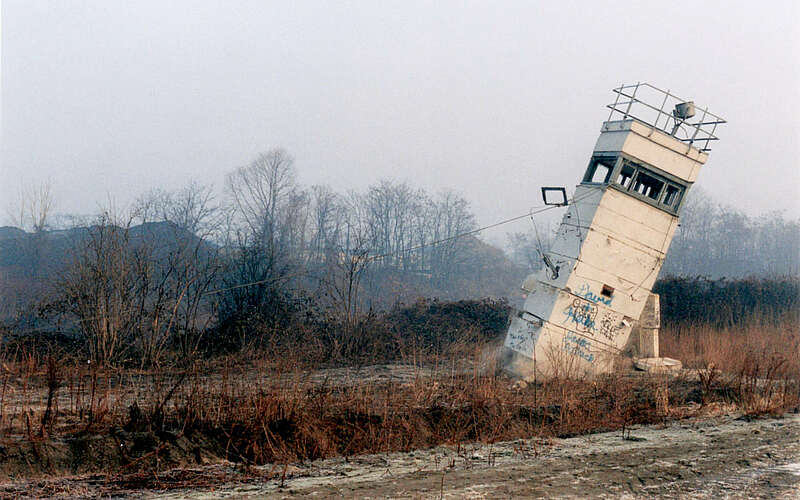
[(492, 99)]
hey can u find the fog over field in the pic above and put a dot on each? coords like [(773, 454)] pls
[(253, 247), (107, 99)]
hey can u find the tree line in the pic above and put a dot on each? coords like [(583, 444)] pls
[(718, 241), (161, 276), (182, 271)]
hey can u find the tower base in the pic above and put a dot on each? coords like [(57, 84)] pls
[(640, 353)]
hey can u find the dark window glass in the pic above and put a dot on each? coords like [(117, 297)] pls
[(625, 175), (647, 185)]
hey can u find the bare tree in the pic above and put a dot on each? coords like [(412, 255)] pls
[(261, 191), (27, 282), (269, 215), (100, 289), (137, 290), (452, 218), (328, 214), (178, 265), (192, 209), (390, 213), (33, 208), (343, 282)]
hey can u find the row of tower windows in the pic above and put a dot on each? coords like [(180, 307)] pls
[(636, 179)]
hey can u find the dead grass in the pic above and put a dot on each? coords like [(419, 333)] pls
[(756, 366), (281, 407), (729, 349)]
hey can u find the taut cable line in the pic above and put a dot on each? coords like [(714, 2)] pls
[(533, 211)]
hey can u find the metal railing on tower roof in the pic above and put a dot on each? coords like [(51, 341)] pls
[(666, 112)]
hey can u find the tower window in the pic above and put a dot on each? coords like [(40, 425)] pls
[(625, 175), (653, 188), (647, 185), (672, 196), (599, 171)]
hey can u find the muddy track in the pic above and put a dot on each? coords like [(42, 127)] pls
[(722, 457), (717, 458)]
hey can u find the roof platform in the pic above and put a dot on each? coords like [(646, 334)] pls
[(666, 112)]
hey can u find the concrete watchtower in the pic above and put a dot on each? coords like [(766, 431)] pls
[(581, 309)]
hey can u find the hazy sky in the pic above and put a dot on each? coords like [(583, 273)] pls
[(492, 99)]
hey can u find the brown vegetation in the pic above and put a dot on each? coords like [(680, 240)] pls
[(60, 414), (756, 366)]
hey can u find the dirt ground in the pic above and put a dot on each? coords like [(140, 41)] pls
[(719, 457)]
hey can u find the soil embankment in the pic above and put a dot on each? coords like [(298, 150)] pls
[(720, 457)]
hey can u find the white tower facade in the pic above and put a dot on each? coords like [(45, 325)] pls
[(581, 309)]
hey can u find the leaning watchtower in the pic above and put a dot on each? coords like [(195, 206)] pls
[(582, 307)]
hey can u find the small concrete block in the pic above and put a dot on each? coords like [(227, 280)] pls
[(657, 365)]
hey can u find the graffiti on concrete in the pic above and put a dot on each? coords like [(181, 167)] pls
[(582, 314), (587, 294), (518, 340), (610, 324), (578, 346), (523, 336)]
